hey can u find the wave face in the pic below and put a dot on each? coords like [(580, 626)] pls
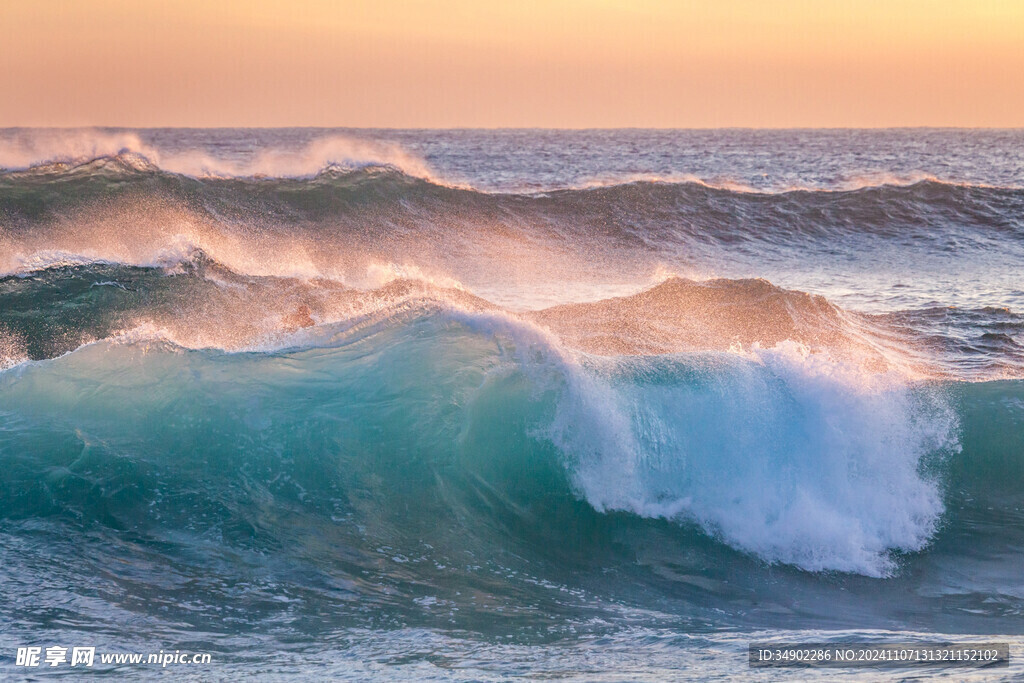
[(333, 392)]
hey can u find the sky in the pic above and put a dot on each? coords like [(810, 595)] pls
[(521, 63)]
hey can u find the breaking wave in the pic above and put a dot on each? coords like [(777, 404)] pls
[(843, 482)]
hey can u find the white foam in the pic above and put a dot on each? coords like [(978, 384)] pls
[(379, 274), (785, 454), (789, 455), (12, 350)]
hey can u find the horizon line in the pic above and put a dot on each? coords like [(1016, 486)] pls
[(520, 128)]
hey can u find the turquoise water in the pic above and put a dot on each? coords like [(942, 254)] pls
[(387, 420)]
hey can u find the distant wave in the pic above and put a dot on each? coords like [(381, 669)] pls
[(253, 250), (57, 149), (54, 151), (338, 157), (384, 202), (196, 302), (848, 184)]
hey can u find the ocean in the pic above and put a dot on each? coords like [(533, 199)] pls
[(471, 405)]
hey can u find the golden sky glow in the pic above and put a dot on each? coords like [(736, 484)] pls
[(550, 63)]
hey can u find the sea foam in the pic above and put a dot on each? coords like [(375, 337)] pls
[(785, 454)]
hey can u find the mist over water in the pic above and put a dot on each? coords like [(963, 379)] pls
[(413, 399)]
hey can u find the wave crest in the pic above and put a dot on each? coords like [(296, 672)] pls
[(793, 456), (790, 456), (57, 149)]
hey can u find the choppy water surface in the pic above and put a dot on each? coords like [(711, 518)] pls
[(467, 404)]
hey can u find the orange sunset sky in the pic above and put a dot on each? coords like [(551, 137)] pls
[(543, 63)]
